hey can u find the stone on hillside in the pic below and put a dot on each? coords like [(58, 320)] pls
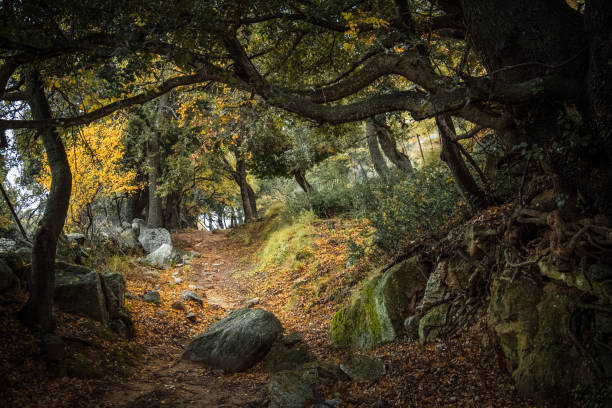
[(360, 367), (377, 314), (252, 302), (435, 291), (177, 256), (432, 323), (78, 290), (293, 389), (286, 354), (113, 286), (128, 239), (8, 280), (161, 257), (191, 317), (153, 238), (137, 224), (152, 297), (191, 296), (237, 342), (76, 237)]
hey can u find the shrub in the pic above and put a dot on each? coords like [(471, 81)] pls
[(402, 209)]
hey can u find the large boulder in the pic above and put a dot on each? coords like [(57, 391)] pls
[(553, 342), (161, 257), (237, 342), (7, 245), (153, 238), (78, 290), (376, 315)]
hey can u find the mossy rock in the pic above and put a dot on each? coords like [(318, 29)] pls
[(432, 323), (543, 332), (578, 278), (377, 313)]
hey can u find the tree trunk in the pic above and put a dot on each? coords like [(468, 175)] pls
[(171, 211), (377, 158), (300, 178), (389, 148), (136, 204), (155, 217), (38, 311), (252, 199), (246, 193), (451, 155)]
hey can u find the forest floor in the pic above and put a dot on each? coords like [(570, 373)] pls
[(455, 373)]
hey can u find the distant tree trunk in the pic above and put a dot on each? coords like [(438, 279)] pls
[(246, 192), (377, 158), (171, 211), (38, 311), (389, 148), (451, 155), (233, 223), (155, 217), (252, 199), (300, 178)]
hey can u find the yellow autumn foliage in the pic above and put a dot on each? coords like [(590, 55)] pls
[(94, 155)]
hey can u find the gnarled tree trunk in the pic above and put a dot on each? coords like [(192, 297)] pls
[(155, 216), (377, 158), (38, 311), (451, 155), (389, 148), (300, 178)]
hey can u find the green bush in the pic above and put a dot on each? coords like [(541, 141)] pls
[(402, 209), (324, 203)]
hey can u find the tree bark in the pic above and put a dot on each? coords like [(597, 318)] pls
[(171, 211), (451, 155), (155, 216), (38, 311), (300, 178), (246, 193), (389, 148), (377, 158)]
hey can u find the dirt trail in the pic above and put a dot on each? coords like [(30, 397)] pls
[(163, 380)]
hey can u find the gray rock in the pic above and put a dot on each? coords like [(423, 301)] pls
[(191, 317), (113, 286), (178, 280), (287, 354), (137, 224), (128, 239), (293, 389), (76, 237), (153, 238), (432, 323), (252, 302), (237, 342), (435, 289), (191, 296), (8, 280), (360, 367), (411, 325), (600, 272), (78, 290), (177, 256), (161, 257), (152, 297)]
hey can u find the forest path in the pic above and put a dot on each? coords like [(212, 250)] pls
[(163, 380)]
